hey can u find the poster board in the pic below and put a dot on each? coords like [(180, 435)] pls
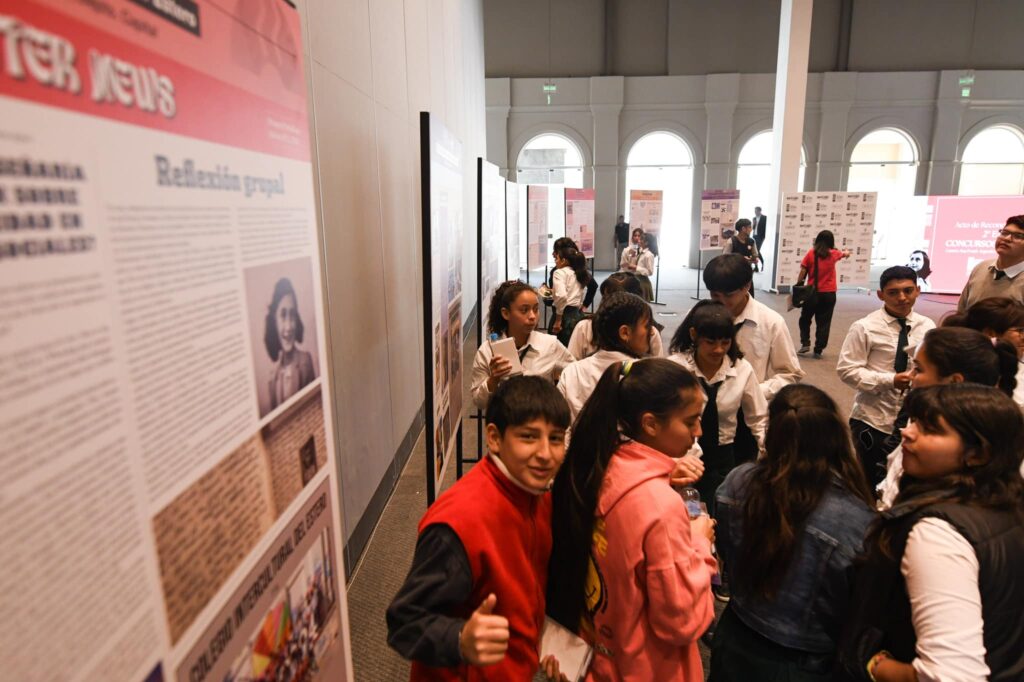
[(645, 210), (579, 219), (512, 190), (441, 173), (491, 243), (163, 351), (536, 226), (851, 218), (719, 210)]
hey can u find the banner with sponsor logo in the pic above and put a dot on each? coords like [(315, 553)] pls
[(850, 216), (169, 503)]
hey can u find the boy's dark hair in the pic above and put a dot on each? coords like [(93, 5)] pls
[(524, 398), (504, 296), (1016, 220), (743, 222), (712, 320), (727, 273), (896, 272), (271, 338)]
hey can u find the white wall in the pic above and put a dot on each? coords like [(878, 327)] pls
[(374, 65), (678, 37), (717, 114)]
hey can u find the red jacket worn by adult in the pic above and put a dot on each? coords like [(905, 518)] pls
[(506, 532), (649, 586)]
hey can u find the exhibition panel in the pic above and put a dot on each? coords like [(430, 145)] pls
[(170, 504)]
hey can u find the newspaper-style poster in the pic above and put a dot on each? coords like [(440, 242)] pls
[(645, 210), (536, 226), (579, 219), (169, 500), (441, 172), (719, 210), (512, 230), (491, 237)]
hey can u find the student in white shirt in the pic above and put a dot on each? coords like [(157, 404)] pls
[(639, 259), (997, 318), (875, 361), (762, 335), (569, 287), (622, 328), (950, 355), (705, 344), (939, 595), (582, 344), (513, 313)]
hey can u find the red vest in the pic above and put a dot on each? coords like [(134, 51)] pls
[(506, 533)]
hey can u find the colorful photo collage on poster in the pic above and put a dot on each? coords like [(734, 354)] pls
[(579, 219), (719, 210)]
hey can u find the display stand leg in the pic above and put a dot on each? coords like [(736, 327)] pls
[(700, 266), (458, 451), (657, 284)]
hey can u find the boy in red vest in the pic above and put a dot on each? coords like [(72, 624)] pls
[(472, 606)]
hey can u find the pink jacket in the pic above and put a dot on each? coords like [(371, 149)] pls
[(649, 587)]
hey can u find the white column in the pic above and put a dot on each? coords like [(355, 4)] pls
[(788, 118), (838, 93), (499, 103), (721, 95), (607, 94), (941, 164)]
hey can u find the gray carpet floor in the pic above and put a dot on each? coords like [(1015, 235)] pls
[(386, 560)]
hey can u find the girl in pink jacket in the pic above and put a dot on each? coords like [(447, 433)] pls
[(629, 570)]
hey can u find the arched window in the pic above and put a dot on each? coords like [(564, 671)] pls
[(549, 159), (885, 161), (662, 160), (754, 173), (993, 162)]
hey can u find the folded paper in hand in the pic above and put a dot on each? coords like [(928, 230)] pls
[(572, 653)]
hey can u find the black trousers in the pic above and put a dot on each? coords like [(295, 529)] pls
[(821, 310), (871, 450), (718, 462)]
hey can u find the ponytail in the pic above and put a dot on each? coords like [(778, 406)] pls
[(504, 296), (577, 262), (625, 392), (1009, 363)]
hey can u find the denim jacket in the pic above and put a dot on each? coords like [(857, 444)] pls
[(809, 610)]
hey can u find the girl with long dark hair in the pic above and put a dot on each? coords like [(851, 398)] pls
[(997, 318), (940, 592), (820, 262), (569, 288), (705, 344), (622, 330), (629, 570), (513, 313), (790, 526), (950, 355), (582, 345)]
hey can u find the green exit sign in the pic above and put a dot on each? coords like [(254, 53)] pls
[(550, 88), (967, 80)]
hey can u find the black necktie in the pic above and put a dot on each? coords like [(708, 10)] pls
[(709, 420), (901, 345), (1000, 274)]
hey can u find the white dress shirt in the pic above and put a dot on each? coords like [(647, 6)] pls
[(566, 290), (543, 356), (866, 364), (941, 572), (768, 347), (581, 343), (637, 260), (579, 379), (739, 388)]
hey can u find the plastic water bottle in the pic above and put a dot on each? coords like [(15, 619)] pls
[(691, 497)]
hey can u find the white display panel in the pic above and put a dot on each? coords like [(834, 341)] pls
[(645, 210), (851, 218), (719, 210), (579, 219), (492, 242)]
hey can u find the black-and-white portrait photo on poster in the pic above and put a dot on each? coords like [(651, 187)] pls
[(282, 326)]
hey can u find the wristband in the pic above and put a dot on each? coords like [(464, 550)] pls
[(882, 655)]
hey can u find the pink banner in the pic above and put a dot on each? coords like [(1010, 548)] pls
[(579, 219)]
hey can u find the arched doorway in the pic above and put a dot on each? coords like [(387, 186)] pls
[(993, 163), (554, 160), (885, 161), (661, 160), (754, 173)]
